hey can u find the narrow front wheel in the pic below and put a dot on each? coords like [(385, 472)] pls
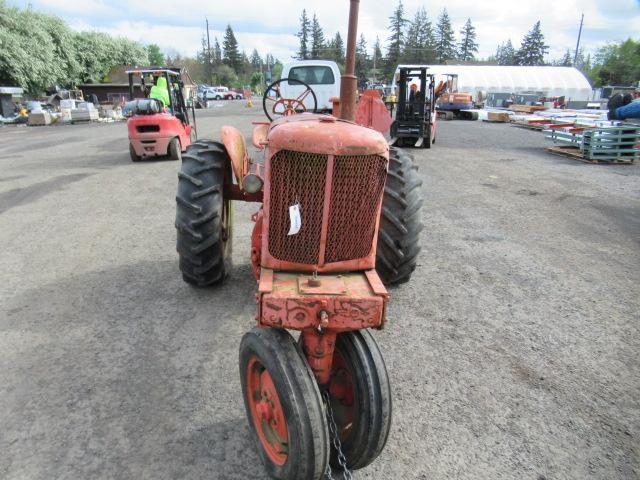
[(283, 405), (360, 398)]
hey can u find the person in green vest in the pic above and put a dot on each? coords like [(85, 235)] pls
[(160, 91)]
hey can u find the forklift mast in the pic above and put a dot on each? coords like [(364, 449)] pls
[(415, 116)]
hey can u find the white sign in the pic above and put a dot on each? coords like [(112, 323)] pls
[(294, 217)]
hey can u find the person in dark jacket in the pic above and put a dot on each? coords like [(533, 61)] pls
[(623, 106)]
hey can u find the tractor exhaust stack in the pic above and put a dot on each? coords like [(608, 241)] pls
[(348, 81)]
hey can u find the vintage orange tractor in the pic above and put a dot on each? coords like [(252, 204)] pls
[(339, 219)]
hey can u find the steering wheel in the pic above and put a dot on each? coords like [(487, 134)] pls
[(273, 102)]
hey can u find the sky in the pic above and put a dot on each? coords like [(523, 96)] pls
[(270, 26)]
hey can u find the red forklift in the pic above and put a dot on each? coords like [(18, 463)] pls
[(155, 128)]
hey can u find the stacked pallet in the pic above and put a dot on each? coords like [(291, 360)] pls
[(610, 144), (527, 108)]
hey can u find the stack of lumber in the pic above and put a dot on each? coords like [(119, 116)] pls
[(527, 108)]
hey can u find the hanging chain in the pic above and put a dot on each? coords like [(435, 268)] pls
[(335, 440)]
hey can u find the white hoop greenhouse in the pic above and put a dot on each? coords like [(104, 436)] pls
[(551, 81)]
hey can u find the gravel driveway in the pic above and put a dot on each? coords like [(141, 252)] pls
[(514, 351)]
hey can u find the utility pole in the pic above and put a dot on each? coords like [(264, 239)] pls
[(575, 57), (375, 72), (208, 54)]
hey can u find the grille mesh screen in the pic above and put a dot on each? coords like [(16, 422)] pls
[(357, 185), (298, 177)]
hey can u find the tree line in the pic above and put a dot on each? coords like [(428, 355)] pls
[(227, 64), (418, 40), (39, 51), (421, 40)]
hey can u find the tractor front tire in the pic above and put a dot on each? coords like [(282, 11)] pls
[(132, 153), (283, 405), (360, 396), (203, 217), (400, 222), (175, 149)]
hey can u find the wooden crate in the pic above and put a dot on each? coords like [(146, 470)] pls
[(497, 116)]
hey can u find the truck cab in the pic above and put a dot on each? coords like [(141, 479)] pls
[(322, 76)]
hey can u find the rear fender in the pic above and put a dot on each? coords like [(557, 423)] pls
[(236, 146)]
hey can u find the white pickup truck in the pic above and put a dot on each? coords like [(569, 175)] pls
[(321, 75)]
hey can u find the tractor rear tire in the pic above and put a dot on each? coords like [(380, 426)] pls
[(203, 217), (400, 222), (175, 149), (283, 405), (132, 152), (360, 396)]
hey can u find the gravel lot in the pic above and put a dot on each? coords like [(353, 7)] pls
[(514, 351)]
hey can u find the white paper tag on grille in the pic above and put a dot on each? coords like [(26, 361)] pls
[(296, 220)]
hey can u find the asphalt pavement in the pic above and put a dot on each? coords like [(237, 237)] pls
[(513, 352)]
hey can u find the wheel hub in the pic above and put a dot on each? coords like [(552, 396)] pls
[(267, 412)]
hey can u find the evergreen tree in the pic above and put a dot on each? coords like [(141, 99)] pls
[(506, 54), (317, 38), (217, 52), (201, 56), (411, 50), (468, 45), (445, 39), (376, 59), (397, 24), (362, 60), (566, 60), (256, 60), (583, 63), (337, 49), (303, 35), (245, 64), (420, 42), (533, 48), (427, 39), (231, 55)]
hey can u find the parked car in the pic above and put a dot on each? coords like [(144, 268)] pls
[(321, 75), (221, 93)]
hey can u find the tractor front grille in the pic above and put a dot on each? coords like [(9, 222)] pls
[(357, 185), (356, 189)]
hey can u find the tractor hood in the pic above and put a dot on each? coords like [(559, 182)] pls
[(325, 134)]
